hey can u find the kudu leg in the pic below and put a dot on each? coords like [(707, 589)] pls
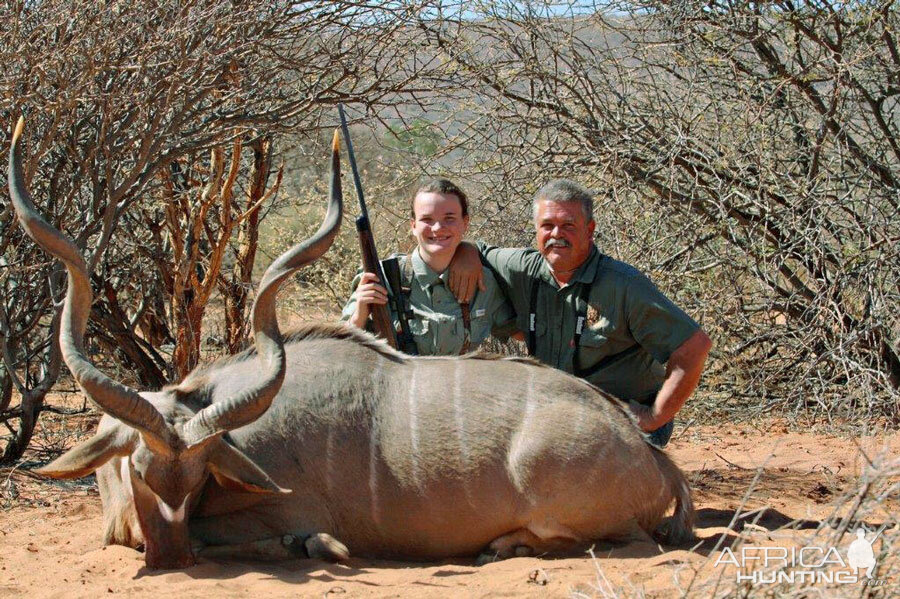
[(289, 546), (525, 543)]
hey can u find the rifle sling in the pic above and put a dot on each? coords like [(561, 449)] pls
[(399, 300)]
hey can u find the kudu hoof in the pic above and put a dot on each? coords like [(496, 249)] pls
[(487, 558), (325, 547)]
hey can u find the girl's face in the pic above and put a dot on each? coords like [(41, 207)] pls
[(438, 225)]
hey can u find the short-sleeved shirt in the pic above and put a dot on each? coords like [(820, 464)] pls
[(437, 322), (631, 327)]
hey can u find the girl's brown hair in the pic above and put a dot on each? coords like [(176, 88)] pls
[(443, 187)]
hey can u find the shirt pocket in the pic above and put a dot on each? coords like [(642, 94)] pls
[(593, 338), (479, 326), (593, 347), (422, 332), (544, 344)]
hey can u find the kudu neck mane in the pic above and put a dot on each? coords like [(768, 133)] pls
[(199, 378)]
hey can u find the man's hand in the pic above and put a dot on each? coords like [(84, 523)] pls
[(643, 414), (466, 274), (368, 292)]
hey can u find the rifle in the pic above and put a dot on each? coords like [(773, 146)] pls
[(381, 317)]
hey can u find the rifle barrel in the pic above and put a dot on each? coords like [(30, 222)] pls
[(357, 183)]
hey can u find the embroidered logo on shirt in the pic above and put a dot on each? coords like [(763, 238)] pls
[(593, 316), (479, 313)]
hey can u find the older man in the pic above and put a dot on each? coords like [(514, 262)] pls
[(592, 315)]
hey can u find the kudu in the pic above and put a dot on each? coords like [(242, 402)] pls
[(396, 456)]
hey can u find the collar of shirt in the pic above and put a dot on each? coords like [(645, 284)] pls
[(586, 273), (426, 277)]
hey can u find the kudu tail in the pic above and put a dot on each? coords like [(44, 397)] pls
[(681, 527)]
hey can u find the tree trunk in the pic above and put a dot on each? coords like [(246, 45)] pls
[(236, 289), (188, 320), (116, 330), (29, 411), (5, 390), (33, 399)]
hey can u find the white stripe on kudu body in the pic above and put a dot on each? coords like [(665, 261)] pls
[(374, 434), (376, 370), (329, 460), (520, 441), (414, 425), (373, 469), (459, 417)]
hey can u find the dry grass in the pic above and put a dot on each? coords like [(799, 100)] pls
[(870, 504)]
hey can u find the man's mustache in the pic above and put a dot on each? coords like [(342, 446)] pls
[(562, 243)]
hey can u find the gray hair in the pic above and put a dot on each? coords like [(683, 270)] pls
[(564, 190)]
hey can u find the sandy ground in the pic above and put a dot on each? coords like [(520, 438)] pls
[(50, 542)]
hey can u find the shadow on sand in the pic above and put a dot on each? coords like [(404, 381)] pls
[(299, 571)]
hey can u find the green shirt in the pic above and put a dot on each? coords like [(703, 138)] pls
[(631, 326), (437, 323)]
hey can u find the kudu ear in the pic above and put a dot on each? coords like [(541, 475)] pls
[(235, 471), (87, 456)]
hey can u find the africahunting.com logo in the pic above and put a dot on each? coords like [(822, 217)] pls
[(761, 565)]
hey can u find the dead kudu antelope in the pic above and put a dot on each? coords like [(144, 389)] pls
[(402, 457)]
